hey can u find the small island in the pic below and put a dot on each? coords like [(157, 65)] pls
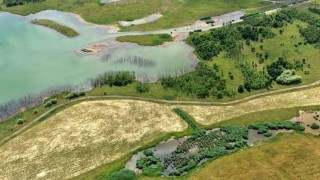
[(146, 40), (65, 30)]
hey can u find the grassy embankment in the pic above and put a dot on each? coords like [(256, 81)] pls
[(260, 114), (203, 114), (64, 30), (176, 13), (146, 40)]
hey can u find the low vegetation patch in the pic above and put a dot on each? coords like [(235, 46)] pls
[(146, 40), (65, 30)]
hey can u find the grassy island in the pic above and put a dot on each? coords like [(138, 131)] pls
[(146, 40), (65, 30)]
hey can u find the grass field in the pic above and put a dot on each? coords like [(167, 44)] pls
[(207, 115), (289, 38), (287, 156), (176, 12), (146, 40), (84, 137), (65, 30)]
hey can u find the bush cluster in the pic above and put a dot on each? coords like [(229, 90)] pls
[(113, 79), (20, 121), (50, 102), (263, 128), (204, 82), (142, 88), (123, 174), (10, 3), (314, 126), (288, 77), (150, 165), (73, 95)]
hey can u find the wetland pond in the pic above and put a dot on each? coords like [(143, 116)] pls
[(177, 157), (35, 58)]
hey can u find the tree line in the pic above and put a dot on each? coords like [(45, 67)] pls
[(10, 3)]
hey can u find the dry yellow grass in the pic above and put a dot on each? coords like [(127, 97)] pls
[(210, 114), (292, 156), (85, 136)]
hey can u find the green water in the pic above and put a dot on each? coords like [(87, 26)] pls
[(35, 58)]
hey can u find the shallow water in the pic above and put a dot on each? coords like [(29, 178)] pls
[(34, 58)]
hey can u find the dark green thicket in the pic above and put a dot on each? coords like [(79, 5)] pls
[(10, 3), (150, 166), (209, 146), (314, 9), (204, 82), (50, 102), (113, 79), (314, 126), (142, 88), (123, 174), (210, 44), (73, 95), (254, 80), (263, 128)]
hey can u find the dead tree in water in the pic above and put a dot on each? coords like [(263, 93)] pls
[(12, 107), (136, 60)]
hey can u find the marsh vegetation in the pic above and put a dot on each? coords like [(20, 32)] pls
[(65, 30)]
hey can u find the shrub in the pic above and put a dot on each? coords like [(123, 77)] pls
[(50, 102), (73, 95), (20, 121), (54, 101), (205, 18), (124, 174), (165, 36), (267, 134), (314, 126), (150, 166), (288, 77), (82, 93), (241, 89), (142, 88), (148, 152)]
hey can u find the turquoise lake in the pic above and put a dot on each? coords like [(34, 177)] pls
[(35, 58)]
